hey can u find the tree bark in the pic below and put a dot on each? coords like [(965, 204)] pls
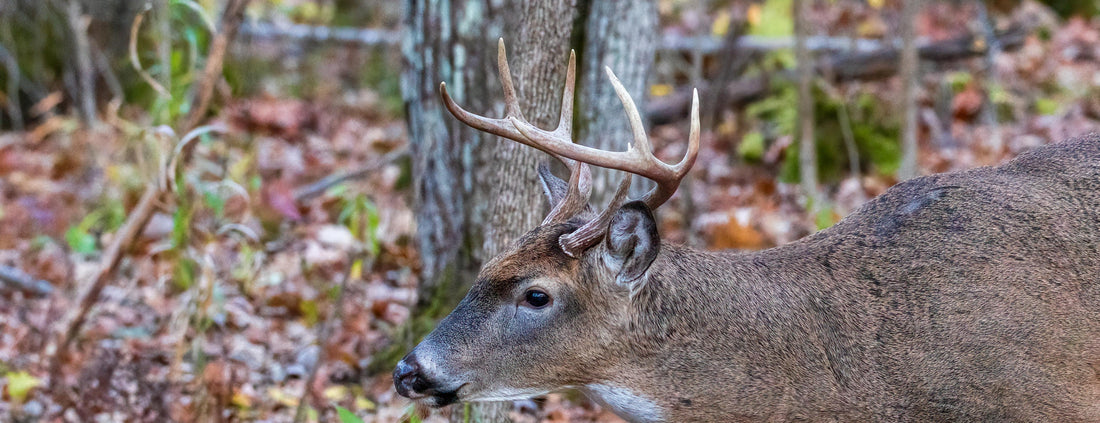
[(539, 57), (624, 39), (909, 65), (452, 42)]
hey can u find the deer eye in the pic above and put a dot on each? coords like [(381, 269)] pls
[(536, 298)]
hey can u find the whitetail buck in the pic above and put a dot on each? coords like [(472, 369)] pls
[(970, 296)]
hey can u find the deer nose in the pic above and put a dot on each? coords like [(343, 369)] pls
[(407, 378)]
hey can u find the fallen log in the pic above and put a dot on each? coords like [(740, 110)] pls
[(837, 67)]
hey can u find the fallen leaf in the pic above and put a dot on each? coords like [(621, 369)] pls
[(20, 384)]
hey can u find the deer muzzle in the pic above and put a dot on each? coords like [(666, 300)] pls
[(413, 380)]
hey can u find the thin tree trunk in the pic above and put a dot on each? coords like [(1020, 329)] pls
[(909, 74), (807, 156), (82, 66), (989, 110), (624, 39)]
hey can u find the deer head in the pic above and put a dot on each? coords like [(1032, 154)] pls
[(548, 312)]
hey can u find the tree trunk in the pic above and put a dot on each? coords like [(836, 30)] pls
[(539, 57), (909, 65), (807, 154), (474, 195), (624, 39), (450, 42)]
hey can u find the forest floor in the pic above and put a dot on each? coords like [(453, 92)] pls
[(228, 303)]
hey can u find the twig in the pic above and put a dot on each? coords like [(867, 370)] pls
[(136, 62), (111, 256), (325, 331), (105, 70), (316, 188), (230, 23), (24, 282)]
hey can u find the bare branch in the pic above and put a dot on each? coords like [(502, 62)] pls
[(21, 281)]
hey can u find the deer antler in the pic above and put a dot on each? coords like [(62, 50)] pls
[(638, 159), (580, 179)]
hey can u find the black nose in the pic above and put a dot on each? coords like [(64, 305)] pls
[(407, 378)]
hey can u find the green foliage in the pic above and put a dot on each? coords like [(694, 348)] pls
[(82, 238), (874, 129), (361, 217), (20, 384), (1046, 106), (31, 31), (410, 415), (751, 147), (379, 75), (824, 218), (775, 19), (346, 416), (959, 80), (1067, 8)]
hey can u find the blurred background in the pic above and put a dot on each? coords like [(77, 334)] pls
[(234, 210)]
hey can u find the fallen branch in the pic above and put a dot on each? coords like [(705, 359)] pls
[(884, 62), (111, 256), (23, 282), (321, 34), (837, 68), (706, 44), (316, 188), (675, 106)]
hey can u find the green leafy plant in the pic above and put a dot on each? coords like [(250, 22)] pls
[(346, 416)]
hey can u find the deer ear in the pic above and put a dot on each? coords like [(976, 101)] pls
[(553, 186), (632, 242)]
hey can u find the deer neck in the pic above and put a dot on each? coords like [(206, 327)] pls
[(739, 324)]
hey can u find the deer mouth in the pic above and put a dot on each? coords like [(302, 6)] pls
[(436, 397), (431, 396)]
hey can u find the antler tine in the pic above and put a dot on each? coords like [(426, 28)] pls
[(575, 243), (667, 176), (505, 127), (511, 102), (665, 188), (576, 196), (565, 121), (638, 160), (637, 128)]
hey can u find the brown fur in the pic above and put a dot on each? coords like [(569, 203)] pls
[(971, 296)]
